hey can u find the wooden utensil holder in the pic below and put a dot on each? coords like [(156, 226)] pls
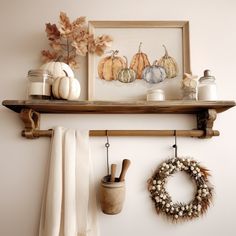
[(112, 195)]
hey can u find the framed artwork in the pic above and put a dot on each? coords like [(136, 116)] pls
[(144, 55)]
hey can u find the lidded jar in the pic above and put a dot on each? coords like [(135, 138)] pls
[(207, 87), (39, 84)]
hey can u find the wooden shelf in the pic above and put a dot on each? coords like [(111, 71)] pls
[(74, 107), (205, 111)]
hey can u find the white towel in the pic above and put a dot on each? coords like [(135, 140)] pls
[(69, 203)]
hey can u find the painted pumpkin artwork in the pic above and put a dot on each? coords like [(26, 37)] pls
[(126, 75), (139, 62), (109, 67), (154, 74), (169, 64)]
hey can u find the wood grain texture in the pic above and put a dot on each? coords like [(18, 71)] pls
[(128, 133), (141, 107), (137, 24)]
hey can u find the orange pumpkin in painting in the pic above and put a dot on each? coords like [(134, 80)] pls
[(139, 62), (109, 67)]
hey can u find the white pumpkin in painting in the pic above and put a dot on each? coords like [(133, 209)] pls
[(66, 88), (58, 69), (154, 74)]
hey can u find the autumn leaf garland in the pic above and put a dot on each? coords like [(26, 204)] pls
[(72, 39)]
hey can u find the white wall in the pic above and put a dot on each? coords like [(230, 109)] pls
[(23, 163)]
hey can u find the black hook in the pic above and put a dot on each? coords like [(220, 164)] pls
[(107, 145), (175, 145)]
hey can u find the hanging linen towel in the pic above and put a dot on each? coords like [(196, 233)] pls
[(69, 203)]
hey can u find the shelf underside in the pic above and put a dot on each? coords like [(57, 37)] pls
[(76, 107)]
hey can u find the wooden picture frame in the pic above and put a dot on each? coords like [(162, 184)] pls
[(124, 33)]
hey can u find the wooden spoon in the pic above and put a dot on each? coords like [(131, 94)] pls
[(113, 172), (125, 166)]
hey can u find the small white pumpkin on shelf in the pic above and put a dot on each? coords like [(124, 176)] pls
[(58, 69), (66, 87)]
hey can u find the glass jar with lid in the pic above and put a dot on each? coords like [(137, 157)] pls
[(207, 87), (39, 84)]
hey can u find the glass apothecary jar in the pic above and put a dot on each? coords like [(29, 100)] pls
[(39, 84), (207, 89)]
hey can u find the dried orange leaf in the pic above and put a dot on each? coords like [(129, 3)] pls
[(52, 32), (56, 45), (73, 63), (65, 25), (79, 22), (48, 56)]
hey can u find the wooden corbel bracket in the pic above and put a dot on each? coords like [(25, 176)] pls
[(31, 120), (205, 121)]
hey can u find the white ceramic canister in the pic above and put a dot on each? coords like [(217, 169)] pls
[(155, 95)]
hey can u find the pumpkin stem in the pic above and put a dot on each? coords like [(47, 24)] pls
[(126, 61), (154, 63), (65, 73), (166, 52), (139, 48), (113, 52)]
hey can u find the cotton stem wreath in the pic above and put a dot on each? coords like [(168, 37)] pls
[(72, 39), (163, 201)]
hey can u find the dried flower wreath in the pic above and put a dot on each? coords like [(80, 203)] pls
[(72, 39), (162, 199)]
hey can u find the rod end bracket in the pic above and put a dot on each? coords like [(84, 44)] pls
[(31, 121)]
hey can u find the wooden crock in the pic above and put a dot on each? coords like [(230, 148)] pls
[(112, 195)]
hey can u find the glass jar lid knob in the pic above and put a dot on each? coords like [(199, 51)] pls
[(207, 75)]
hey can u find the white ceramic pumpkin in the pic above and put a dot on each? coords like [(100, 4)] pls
[(58, 69), (66, 88)]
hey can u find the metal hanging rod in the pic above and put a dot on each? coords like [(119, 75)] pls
[(150, 133)]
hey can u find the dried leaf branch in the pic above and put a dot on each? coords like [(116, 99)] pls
[(72, 39)]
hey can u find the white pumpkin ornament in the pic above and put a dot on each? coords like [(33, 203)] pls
[(58, 69), (66, 88)]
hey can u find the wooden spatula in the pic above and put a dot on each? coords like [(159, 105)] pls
[(125, 166)]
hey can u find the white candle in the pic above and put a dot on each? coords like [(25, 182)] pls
[(39, 84), (39, 88)]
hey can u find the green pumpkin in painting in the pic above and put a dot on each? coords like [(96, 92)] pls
[(126, 75)]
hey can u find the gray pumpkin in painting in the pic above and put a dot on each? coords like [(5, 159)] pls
[(154, 74), (126, 75)]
